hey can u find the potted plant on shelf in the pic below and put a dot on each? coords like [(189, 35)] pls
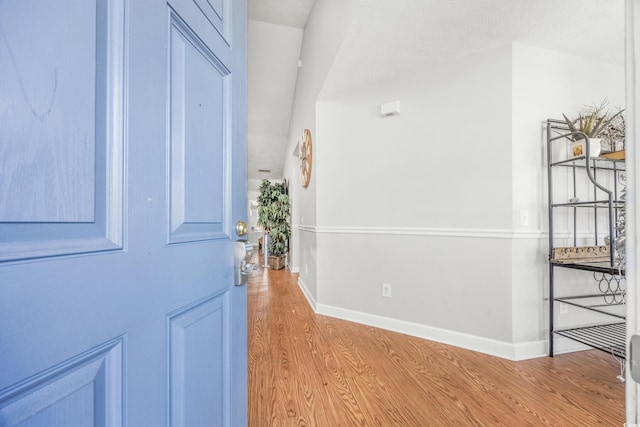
[(598, 123), (273, 215)]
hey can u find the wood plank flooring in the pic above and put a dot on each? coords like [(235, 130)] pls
[(311, 370)]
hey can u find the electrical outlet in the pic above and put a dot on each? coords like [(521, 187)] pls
[(386, 290), (564, 308)]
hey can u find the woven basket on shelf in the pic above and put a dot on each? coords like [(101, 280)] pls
[(277, 262), (568, 255)]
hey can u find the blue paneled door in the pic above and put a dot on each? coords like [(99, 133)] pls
[(122, 176)]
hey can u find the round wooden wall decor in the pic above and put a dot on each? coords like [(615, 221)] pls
[(305, 155)]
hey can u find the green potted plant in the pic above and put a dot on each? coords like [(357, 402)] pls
[(273, 215), (596, 122)]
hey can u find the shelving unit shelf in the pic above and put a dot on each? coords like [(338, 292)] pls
[(609, 337), (602, 207), (611, 305)]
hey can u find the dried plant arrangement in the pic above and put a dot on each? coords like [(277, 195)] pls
[(599, 121)]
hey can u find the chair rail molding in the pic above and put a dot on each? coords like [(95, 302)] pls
[(423, 231)]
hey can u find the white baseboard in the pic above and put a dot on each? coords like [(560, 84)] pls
[(294, 269), (529, 350), (504, 350), (563, 345), (535, 349), (307, 294)]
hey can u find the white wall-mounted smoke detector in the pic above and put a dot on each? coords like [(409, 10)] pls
[(390, 109)]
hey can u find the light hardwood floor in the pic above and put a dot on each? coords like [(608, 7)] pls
[(311, 370)]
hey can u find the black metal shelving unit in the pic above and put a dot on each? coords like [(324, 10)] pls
[(610, 293)]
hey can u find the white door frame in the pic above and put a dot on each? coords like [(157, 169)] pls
[(632, 36)]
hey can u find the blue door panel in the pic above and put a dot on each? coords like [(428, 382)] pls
[(52, 83), (197, 336), (60, 126), (83, 391), (199, 98), (119, 192), (214, 11)]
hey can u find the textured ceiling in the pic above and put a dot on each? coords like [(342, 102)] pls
[(292, 13), (275, 36), (273, 54), (388, 38)]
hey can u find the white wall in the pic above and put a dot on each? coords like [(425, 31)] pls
[(413, 170), (429, 201), (421, 200), (545, 85), (323, 34)]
